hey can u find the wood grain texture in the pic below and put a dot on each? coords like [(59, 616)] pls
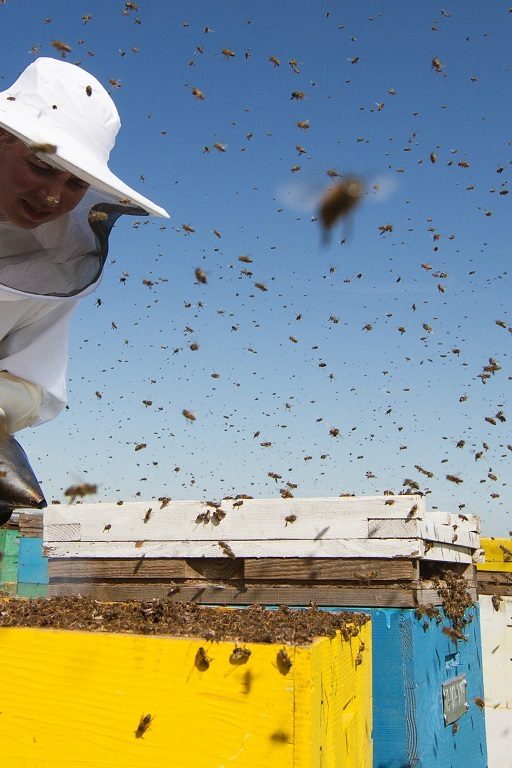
[(379, 548), (245, 594), (254, 569)]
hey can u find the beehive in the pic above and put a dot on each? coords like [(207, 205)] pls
[(270, 551), (75, 699), (495, 598)]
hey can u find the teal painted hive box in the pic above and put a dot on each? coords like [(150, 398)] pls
[(9, 554)]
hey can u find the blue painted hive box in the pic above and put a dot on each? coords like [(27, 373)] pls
[(427, 691)]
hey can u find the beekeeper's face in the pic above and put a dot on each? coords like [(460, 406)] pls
[(31, 191)]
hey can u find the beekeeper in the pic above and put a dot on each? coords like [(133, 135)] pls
[(58, 203)]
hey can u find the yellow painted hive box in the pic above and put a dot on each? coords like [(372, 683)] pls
[(106, 699), (498, 555)]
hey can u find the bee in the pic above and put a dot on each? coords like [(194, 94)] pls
[(334, 432), (187, 228), (115, 83), (453, 634), (97, 216), (479, 702), (200, 275), (226, 549), (297, 95), (436, 64), (188, 415), (218, 515), (294, 64), (145, 722), (239, 655), (339, 200), (44, 148), (424, 471), (290, 519), (81, 490), (220, 147), (385, 228), (303, 124), (147, 515), (63, 48), (107, 527), (198, 94), (261, 286), (286, 494), (140, 446), (202, 661), (227, 53), (274, 60), (284, 663)]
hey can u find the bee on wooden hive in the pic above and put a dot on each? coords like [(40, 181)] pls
[(284, 663), (145, 722), (239, 655), (202, 661)]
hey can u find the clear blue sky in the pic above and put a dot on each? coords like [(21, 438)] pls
[(377, 109)]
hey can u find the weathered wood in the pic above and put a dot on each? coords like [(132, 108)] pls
[(502, 590), (31, 524), (145, 568), (334, 508), (328, 569), (448, 553), (390, 597), (366, 548), (439, 527)]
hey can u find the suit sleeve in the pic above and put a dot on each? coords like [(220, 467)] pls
[(36, 353)]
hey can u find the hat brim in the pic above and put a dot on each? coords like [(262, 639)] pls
[(71, 157)]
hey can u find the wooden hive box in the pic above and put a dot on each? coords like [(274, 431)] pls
[(75, 699), (494, 577), (349, 551), (9, 555)]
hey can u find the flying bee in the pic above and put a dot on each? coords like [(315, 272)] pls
[(44, 147), (81, 490), (188, 415), (227, 53), (97, 215), (145, 722), (198, 94), (147, 515), (200, 275), (436, 64), (339, 200), (63, 48)]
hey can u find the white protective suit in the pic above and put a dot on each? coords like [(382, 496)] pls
[(44, 272)]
